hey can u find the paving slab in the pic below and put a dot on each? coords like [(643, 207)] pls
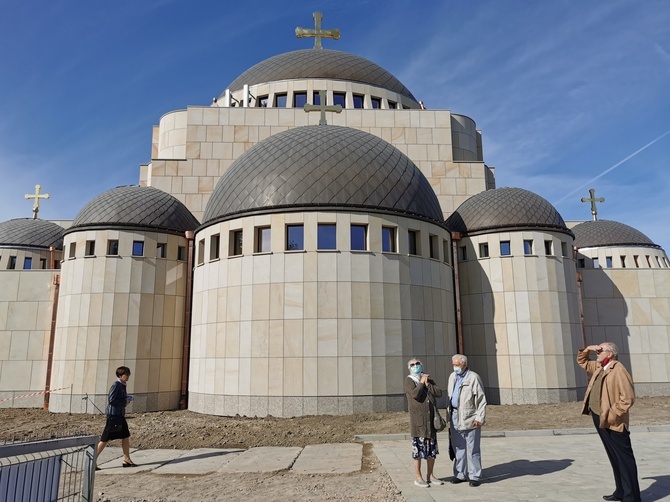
[(199, 461), (146, 460), (332, 458), (112, 452), (263, 459), (551, 467)]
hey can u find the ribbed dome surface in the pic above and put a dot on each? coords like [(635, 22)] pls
[(135, 206), (325, 166), (26, 232), (503, 208), (609, 233), (311, 63)]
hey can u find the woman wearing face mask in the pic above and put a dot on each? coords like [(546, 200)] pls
[(421, 412)]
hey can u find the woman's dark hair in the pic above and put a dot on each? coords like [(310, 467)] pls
[(122, 370)]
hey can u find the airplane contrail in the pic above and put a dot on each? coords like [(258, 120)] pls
[(613, 167)]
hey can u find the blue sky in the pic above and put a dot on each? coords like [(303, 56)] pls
[(563, 91)]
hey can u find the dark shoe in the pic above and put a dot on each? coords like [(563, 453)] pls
[(129, 464), (474, 482), (611, 497), (455, 480)]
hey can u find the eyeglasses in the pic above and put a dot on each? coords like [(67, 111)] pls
[(414, 363), (599, 350)]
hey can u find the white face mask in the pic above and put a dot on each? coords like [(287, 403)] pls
[(458, 370)]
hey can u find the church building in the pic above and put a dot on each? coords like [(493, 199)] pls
[(292, 244)]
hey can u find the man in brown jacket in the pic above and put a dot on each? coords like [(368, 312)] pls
[(608, 398)]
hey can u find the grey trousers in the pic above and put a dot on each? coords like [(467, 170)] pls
[(468, 454)]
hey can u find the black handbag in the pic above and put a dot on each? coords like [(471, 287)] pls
[(115, 423), (439, 423)]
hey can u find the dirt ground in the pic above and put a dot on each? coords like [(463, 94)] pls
[(187, 430)]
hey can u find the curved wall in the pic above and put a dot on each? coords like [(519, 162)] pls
[(118, 310), (521, 324), (290, 333)]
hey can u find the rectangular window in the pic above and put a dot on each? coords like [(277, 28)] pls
[(262, 244), (484, 250), (11, 265), (445, 250), (90, 248), (73, 250), (596, 263), (648, 261), (636, 259), (339, 98), (623, 261), (181, 253), (43, 263), (201, 251), (581, 263), (316, 98), (658, 261), (665, 260), (27, 263), (235, 246), (376, 103), (564, 248), (299, 99), (434, 247), (388, 240), (413, 241), (112, 247), (214, 246), (358, 101), (295, 237), (359, 237), (505, 249), (549, 248), (463, 253), (280, 100), (161, 250), (608, 261), (262, 102), (326, 236), (392, 105), (138, 248), (527, 247)]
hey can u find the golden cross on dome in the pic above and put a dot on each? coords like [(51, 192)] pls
[(321, 107), (593, 200), (37, 196), (317, 32)]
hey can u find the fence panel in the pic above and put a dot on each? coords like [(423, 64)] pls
[(61, 469)]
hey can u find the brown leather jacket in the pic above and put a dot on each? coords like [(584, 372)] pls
[(617, 395)]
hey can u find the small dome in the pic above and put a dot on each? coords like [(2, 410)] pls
[(591, 234), (27, 232), (505, 208), (310, 63), (135, 206), (323, 166)]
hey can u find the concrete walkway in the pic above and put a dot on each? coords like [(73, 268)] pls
[(535, 465), (518, 465)]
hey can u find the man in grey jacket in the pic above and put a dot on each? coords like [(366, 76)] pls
[(467, 404)]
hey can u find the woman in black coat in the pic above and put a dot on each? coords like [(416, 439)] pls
[(116, 426)]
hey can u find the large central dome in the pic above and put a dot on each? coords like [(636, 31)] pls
[(311, 63), (324, 167)]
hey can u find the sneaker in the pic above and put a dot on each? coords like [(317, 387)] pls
[(421, 483), (475, 483), (435, 481)]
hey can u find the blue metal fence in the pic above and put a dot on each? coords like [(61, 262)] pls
[(49, 470)]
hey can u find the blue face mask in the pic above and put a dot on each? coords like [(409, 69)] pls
[(416, 369), (458, 370)]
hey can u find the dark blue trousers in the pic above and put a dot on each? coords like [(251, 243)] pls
[(620, 452)]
